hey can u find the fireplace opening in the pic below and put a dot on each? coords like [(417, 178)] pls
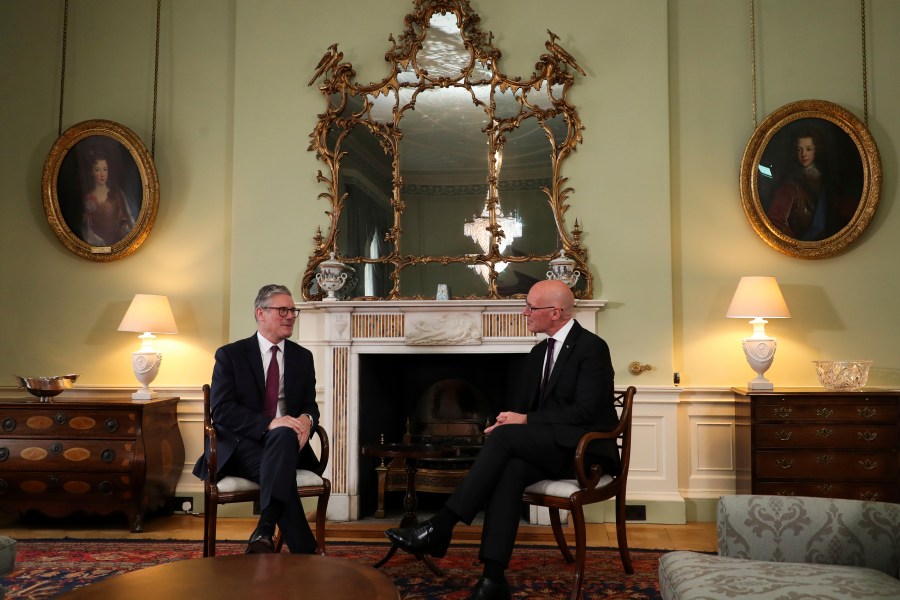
[(395, 389)]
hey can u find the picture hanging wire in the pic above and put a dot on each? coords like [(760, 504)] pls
[(62, 82), (865, 82)]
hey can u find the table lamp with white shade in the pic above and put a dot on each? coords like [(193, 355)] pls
[(758, 298), (148, 314)]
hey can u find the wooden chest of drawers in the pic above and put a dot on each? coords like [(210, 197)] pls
[(817, 442), (93, 455)]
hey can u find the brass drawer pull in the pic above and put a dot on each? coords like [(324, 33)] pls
[(824, 413), (825, 433), (868, 436), (868, 464), (9, 424), (824, 459), (785, 463), (783, 435), (867, 412), (4, 454), (108, 455), (112, 425), (61, 419), (783, 412)]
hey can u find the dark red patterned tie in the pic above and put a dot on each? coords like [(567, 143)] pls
[(271, 403), (548, 366)]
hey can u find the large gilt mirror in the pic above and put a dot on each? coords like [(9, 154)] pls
[(447, 171)]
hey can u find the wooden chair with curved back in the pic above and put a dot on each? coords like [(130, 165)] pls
[(590, 486), (228, 490)]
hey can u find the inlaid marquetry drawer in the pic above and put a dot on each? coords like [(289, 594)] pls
[(95, 455), (814, 442), (44, 454), (67, 421)]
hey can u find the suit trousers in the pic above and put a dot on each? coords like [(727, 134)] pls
[(273, 465), (513, 457)]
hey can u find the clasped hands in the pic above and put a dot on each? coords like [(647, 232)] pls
[(507, 418), (301, 426)]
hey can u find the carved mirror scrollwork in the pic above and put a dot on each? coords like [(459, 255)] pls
[(447, 171)]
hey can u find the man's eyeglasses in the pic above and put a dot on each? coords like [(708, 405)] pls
[(530, 309), (283, 310)]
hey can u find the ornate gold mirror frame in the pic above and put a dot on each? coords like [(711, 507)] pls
[(413, 166)]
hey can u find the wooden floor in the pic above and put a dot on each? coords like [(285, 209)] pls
[(692, 536)]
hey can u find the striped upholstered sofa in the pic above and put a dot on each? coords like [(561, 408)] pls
[(792, 548)]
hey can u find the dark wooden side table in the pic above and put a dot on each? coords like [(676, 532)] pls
[(411, 454), (282, 575)]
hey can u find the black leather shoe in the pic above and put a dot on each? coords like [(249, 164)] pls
[(488, 589), (420, 539), (260, 542)]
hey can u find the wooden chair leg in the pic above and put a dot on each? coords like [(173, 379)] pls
[(560, 537), (621, 535), (211, 528), (577, 516), (321, 509)]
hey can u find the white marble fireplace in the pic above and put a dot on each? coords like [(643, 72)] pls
[(339, 332)]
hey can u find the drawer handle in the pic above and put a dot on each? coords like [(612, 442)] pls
[(783, 412), (4, 454), (869, 496), (783, 435), (9, 424), (824, 460), (112, 425), (867, 412), (108, 455), (61, 419), (54, 481), (868, 436), (785, 463), (824, 413), (3, 486), (55, 448), (825, 433), (105, 488), (868, 464)]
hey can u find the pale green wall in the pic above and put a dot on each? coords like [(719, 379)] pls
[(666, 106)]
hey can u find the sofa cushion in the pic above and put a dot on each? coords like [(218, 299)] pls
[(694, 576), (7, 554)]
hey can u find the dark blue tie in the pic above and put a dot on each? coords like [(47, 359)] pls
[(548, 365)]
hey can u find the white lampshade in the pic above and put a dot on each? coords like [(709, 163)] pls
[(147, 314), (758, 298)]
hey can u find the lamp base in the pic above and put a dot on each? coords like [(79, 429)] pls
[(144, 394), (760, 383)]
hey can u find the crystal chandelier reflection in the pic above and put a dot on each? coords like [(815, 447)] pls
[(478, 227)]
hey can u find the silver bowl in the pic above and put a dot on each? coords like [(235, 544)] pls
[(46, 388)]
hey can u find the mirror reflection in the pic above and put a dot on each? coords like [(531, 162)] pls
[(447, 171)]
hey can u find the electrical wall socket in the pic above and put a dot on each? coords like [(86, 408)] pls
[(183, 504)]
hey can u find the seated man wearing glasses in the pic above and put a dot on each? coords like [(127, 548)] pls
[(567, 390), (263, 404)]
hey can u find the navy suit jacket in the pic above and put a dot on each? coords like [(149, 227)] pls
[(238, 392), (578, 397)]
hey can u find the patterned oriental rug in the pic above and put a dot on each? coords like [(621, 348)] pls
[(46, 568)]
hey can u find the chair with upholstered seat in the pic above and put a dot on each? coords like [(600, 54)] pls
[(591, 485), (228, 490)]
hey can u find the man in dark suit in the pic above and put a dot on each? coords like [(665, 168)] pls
[(263, 404), (568, 391)]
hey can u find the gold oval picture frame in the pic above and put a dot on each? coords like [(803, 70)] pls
[(810, 179), (100, 190)]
